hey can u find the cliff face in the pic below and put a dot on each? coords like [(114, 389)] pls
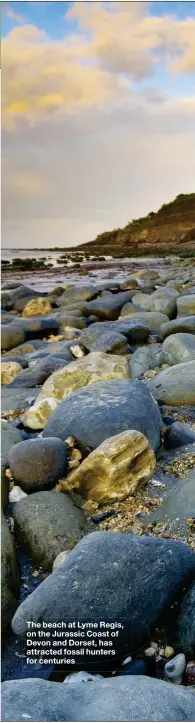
[(170, 230)]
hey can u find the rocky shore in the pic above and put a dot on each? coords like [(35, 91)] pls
[(98, 496)]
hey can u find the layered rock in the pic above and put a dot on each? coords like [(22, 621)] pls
[(96, 367), (116, 468)]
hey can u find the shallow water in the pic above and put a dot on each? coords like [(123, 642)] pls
[(115, 270)]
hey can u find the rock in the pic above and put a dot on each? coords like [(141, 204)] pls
[(174, 669), (9, 370), (26, 348), (186, 324), (127, 579), (37, 464), (16, 494), (96, 367), (111, 343), (128, 309), (8, 318), (40, 326), (60, 349), (108, 308), (17, 399), (115, 469), (162, 300), (175, 385), (15, 358), (38, 373), (10, 576), (130, 283), (11, 336), (150, 652), (178, 348), (144, 358), (149, 274), (178, 435), (134, 331), (168, 651), (60, 559), (76, 322), (77, 294), (47, 523), (36, 307), (154, 319), (22, 291), (9, 437), (136, 698), (186, 622), (186, 305), (112, 407)]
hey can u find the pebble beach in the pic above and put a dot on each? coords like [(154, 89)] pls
[(98, 488)]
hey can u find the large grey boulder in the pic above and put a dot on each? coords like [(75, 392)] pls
[(12, 336), (37, 464), (105, 409), (186, 324), (10, 576), (178, 348), (153, 319), (47, 523), (130, 698), (117, 577), (108, 308), (175, 385), (77, 294), (135, 331)]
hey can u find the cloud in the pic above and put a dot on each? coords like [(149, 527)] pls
[(117, 44), (11, 13), (91, 136), (104, 169)]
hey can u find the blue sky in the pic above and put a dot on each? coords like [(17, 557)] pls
[(51, 15), (98, 106)]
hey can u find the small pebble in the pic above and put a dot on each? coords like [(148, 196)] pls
[(169, 652), (16, 494), (149, 652), (154, 645), (127, 660), (70, 441)]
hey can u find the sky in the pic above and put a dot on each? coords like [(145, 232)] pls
[(98, 116)]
